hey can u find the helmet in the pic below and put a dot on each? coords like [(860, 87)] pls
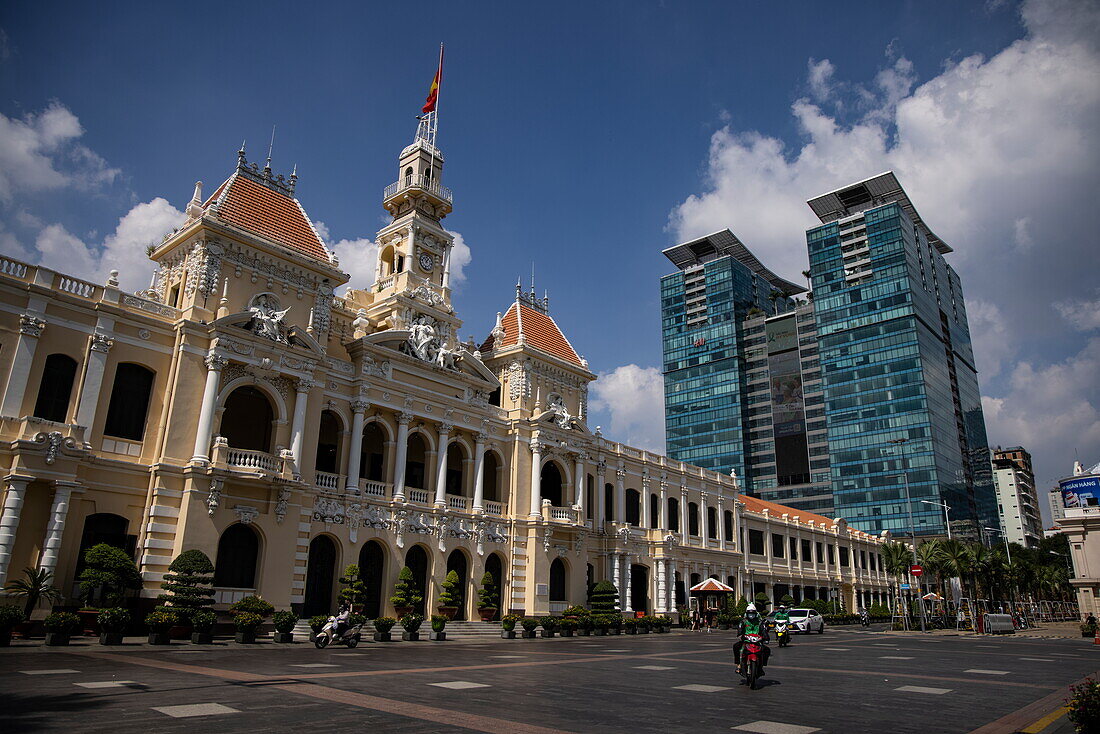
[(750, 608), (751, 613), (782, 606)]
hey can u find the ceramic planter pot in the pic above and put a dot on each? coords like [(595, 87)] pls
[(448, 612), (547, 633), (631, 631), (508, 634), (284, 637), (614, 631), (382, 637), (567, 633), (528, 635), (598, 632), (487, 613), (202, 638), (159, 638), (402, 611), (581, 632), (110, 638), (245, 638), (643, 630), (437, 636), (57, 639), (411, 636), (89, 620)]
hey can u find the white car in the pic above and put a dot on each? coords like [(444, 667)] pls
[(805, 621)]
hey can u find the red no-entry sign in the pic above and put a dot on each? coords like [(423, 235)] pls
[(916, 571)]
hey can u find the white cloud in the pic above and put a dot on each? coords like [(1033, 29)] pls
[(40, 152), (633, 398), (1000, 156), (460, 258), (122, 250), (358, 258), (1081, 315)]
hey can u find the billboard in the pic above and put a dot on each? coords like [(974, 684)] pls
[(1080, 491)]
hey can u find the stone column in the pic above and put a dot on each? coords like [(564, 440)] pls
[(628, 579), (479, 473), (684, 513), (672, 586), (9, 520), (99, 345), (578, 485), (722, 539), (660, 567), (399, 461), (298, 425), (441, 465), (55, 529), (536, 479), (616, 576), (704, 518), (30, 328), (446, 282), (599, 511), (214, 365), (662, 521), (355, 451), (647, 512), (620, 494)]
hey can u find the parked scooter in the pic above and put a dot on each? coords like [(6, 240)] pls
[(327, 635)]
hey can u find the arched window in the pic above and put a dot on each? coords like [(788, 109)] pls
[(320, 569), (712, 522), (693, 519), (457, 562), (328, 443), (238, 552), (417, 561), (247, 421), (633, 507), (415, 461), (558, 586), (372, 566), (727, 525), (56, 388), (551, 484), (495, 568), (491, 477), (673, 514), (104, 527), (654, 511), (456, 465), (408, 176), (129, 402), (372, 461)]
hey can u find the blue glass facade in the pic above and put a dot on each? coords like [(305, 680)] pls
[(702, 308), (897, 363)]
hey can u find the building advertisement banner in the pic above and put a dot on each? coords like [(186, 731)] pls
[(1080, 491)]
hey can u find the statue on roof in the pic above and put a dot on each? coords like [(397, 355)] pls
[(266, 320)]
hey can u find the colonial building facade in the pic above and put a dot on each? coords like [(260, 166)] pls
[(240, 407)]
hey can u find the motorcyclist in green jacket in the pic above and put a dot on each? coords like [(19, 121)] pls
[(752, 624)]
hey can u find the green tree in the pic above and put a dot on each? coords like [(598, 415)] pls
[(35, 587), (487, 595), (354, 591), (404, 593), (956, 558), (108, 574), (452, 594), (605, 598), (189, 583)]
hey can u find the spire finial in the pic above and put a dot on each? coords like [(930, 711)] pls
[(240, 154), (270, 148), (519, 287), (294, 178)]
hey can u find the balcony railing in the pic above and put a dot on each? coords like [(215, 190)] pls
[(418, 181), (563, 514), (254, 460), (374, 489), (333, 482), (456, 502), (419, 496), (494, 508)]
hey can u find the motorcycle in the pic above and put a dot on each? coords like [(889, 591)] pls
[(782, 633), (752, 659), (327, 635), (864, 619)]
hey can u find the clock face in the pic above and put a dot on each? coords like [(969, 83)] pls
[(426, 262)]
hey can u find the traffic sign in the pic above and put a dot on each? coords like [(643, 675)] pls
[(905, 587), (916, 570)]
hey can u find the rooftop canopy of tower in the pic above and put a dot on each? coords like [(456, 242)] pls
[(254, 200), (873, 192), (527, 322), (713, 246)]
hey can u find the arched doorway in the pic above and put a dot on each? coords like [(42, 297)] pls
[(238, 552), (551, 484), (247, 420), (639, 588), (328, 443), (372, 568), (490, 478), (105, 527), (320, 572), (417, 561), (495, 568), (372, 464), (415, 461), (457, 562), (559, 586)]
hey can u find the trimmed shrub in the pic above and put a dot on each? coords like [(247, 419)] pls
[(64, 623), (113, 619), (354, 590), (439, 622), (384, 624), (452, 594), (487, 594), (318, 622), (411, 622), (356, 620), (550, 624), (568, 624), (248, 621), (404, 595), (508, 622), (203, 620), (605, 597), (10, 616), (529, 624), (161, 621), (285, 621), (253, 605), (108, 574), (189, 583)]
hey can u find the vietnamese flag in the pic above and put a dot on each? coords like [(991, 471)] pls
[(433, 91)]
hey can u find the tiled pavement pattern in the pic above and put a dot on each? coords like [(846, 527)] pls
[(838, 682)]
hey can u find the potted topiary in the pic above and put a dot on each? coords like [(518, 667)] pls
[(630, 626), (354, 590), (108, 574), (567, 627), (723, 620), (113, 621), (36, 588), (508, 627), (247, 623), (644, 625), (529, 624), (584, 625), (202, 626), (549, 626), (451, 597), (9, 617), (487, 598), (317, 623), (405, 595), (189, 584), (159, 621), (600, 624), (382, 627), (59, 627), (615, 624), (605, 598), (284, 626), (439, 624), (411, 623)]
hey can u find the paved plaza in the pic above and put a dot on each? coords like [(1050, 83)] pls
[(847, 680)]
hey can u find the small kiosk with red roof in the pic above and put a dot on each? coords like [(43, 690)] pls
[(711, 596)]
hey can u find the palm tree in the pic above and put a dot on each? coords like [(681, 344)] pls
[(930, 555), (896, 557), (956, 558), (35, 586)]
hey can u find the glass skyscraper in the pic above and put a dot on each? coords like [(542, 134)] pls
[(900, 387), (718, 284)]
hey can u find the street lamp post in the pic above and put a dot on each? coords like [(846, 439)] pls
[(946, 515), (1008, 553), (900, 443)]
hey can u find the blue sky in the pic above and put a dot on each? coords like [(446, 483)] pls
[(586, 137)]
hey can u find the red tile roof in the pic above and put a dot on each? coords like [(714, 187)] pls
[(755, 504), (256, 208), (711, 585), (539, 330)]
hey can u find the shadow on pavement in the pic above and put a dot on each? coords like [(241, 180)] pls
[(26, 713)]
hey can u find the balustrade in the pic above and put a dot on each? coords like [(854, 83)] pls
[(494, 508), (325, 480), (456, 502), (373, 488), (420, 496), (256, 460), (76, 287)]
